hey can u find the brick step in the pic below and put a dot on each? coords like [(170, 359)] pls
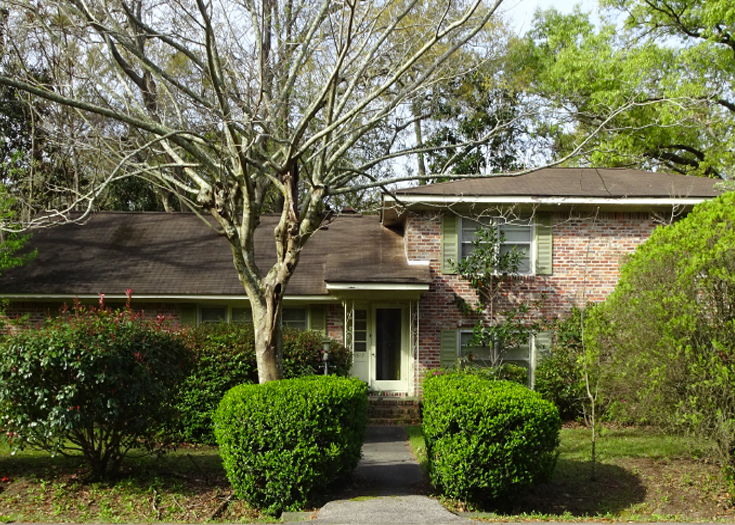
[(387, 422), (394, 411)]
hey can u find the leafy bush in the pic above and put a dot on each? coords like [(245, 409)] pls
[(487, 440), (224, 356), (559, 377), (669, 328), (282, 441), (502, 372), (93, 381)]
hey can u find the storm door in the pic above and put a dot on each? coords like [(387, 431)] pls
[(389, 362)]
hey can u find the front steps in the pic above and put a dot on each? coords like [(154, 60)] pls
[(387, 410)]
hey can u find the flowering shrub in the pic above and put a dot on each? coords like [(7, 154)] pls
[(93, 381)]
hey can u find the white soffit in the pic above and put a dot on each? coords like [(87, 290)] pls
[(338, 287), (623, 201)]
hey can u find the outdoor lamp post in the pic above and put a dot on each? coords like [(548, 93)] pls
[(325, 355)]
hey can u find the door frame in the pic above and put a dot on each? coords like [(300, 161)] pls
[(402, 384)]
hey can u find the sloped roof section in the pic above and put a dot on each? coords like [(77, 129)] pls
[(609, 183), (174, 254)]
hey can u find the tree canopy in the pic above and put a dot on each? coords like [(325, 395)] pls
[(672, 67), (669, 328)]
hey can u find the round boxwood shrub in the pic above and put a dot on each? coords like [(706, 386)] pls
[(93, 381), (224, 356), (487, 440), (283, 441)]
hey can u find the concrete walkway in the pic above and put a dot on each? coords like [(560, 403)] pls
[(388, 487)]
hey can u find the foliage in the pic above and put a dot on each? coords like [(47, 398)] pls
[(658, 92), (471, 107), (487, 440), (670, 327), (559, 377), (93, 381), (283, 441), (224, 356), (10, 241), (502, 372)]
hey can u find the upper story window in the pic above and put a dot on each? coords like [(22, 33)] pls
[(512, 235), (531, 237)]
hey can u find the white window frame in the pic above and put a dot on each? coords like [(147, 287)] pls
[(498, 222)]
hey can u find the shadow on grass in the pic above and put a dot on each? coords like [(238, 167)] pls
[(572, 491), (192, 470)]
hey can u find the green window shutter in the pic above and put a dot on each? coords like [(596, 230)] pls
[(448, 348), (188, 315), (318, 319), (542, 342), (544, 245), (450, 242)]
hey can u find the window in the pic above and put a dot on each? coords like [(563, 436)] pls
[(533, 237), (513, 235), (212, 314), (294, 318), (359, 334), (486, 356), (242, 316)]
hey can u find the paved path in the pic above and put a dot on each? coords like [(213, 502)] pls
[(388, 487)]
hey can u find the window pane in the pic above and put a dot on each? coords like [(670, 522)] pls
[(242, 315), (213, 314), (479, 355), (359, 334), (516, 353), (524, 264), (294, 317), (516, 233)]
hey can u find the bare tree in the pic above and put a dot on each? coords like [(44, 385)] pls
[(237, 103), (241, 106)]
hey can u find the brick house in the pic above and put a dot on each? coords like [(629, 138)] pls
[(383, 285)]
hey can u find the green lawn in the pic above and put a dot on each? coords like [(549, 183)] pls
[(641, 475)]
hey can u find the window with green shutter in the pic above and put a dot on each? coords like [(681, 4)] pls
[(532, 237), (450, 242), (318, 319), (448, 348), (544, 245)]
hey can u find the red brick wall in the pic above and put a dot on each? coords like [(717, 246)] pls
[(336, 322), (37, 312), (587, 256)]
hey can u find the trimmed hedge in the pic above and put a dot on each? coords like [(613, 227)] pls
[(283, 441), (224, 356), (487, 440)]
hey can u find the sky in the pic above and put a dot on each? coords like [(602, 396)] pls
[(521, 11)]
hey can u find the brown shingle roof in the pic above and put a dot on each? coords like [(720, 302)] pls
[(177, 254), (576, 182)]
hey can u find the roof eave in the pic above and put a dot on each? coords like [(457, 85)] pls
[(393, 207)]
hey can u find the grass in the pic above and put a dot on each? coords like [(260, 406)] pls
[(642, 475), (185, 486)]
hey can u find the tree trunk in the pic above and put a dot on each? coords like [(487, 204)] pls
[(268, 339)]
